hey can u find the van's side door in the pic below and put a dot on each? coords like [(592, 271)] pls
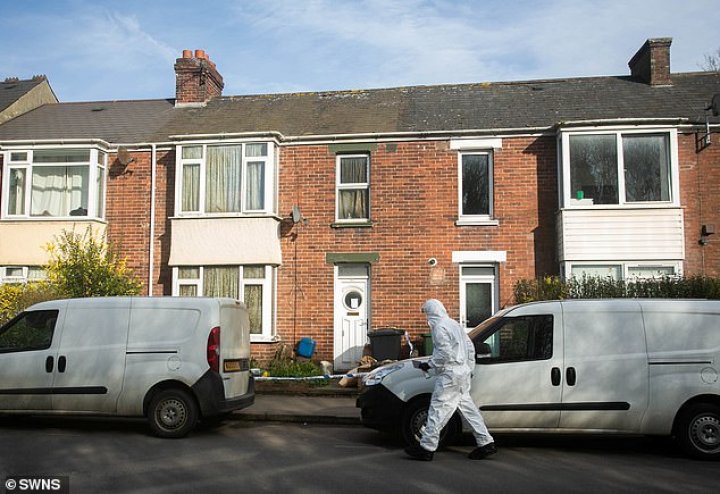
[(606, 370), (518, 385), (28, 348), (91, 358)]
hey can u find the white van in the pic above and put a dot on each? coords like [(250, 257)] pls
[(171, 359), (578, 366)]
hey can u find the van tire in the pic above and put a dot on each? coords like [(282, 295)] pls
[(172, 413), (414, 417), (698, 431)]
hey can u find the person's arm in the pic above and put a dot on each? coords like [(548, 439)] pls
[(442, 349)]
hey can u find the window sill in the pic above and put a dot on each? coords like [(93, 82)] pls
[(472, 222), (264, 339), (352, 224)]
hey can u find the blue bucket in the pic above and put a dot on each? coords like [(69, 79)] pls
[(306, 347)]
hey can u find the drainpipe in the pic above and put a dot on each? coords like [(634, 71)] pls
[(151, 248)]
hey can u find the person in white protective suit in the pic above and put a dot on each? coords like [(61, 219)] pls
[(453, 361)]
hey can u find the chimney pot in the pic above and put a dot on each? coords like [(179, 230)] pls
[(200, 54), (187, 54)]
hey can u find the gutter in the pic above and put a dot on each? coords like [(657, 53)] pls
[(151, 247)]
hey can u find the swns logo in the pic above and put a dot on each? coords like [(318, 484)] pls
[(37, 483)]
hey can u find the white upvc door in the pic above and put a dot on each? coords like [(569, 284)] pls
[(477, 295), (351, 314)]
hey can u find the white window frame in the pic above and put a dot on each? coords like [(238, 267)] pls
[(626, 266), (97, 160), (477, 219), (268, 282), (269, 200), (353, 186), (464, 280), (571, 202), (23, 278)]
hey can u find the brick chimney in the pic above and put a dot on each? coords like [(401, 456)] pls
[(651, 64), (197, 80)]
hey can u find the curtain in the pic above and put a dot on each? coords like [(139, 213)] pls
[(222, 181), (16, 200), (191, 188), (255, 184), (59, 191), (253, 303), (221, 281), (353, 202)]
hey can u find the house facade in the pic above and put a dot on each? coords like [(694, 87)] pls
[(333, 214)]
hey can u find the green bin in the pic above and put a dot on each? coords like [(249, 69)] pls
[(427, 344)]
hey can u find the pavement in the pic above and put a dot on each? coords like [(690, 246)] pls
[(291, 403)]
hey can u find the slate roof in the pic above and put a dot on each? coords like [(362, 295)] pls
[(514, 105), (11, 91)]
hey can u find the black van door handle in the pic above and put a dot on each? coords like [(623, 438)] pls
[(571, 376), (555, 376), (49, 364), (62, 363)]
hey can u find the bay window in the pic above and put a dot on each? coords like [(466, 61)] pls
[(251, 284), (620, 168), (225, 178), (55, 183)]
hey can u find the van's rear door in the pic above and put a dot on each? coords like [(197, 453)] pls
[(234, 348)]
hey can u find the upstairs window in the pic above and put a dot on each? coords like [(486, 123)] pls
[(228, 178), (475, 188), (353, 188), (619, 168), (52, 183)]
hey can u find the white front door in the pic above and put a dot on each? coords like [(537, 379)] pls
[(477, 295), (351, 314)]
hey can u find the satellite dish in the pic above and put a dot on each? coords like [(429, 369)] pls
[(123, 156), (296, 215)]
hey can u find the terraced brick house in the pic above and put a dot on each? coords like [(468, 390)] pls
[(331, 214)]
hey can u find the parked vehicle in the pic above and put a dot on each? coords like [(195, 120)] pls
[(578, 366), (170, 359)]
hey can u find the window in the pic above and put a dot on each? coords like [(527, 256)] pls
[(55, 183), (222, 179), (251, 284), (517, 339), (28, 331), (475, 185), (21, 274), (625, 270), (353, 188), (619, 168)]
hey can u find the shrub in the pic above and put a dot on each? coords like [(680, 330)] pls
[(16, 298), (555, 288), (293, 368), (87, 266)]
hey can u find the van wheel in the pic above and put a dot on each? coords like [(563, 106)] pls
[(413, 421), (699, 431), (172, 413)]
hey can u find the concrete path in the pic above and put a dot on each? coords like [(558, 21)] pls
[(301, 408)]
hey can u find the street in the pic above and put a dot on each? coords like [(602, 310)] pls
[(243, 456)]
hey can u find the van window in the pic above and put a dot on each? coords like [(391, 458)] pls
[(29, 331), (517, 339)]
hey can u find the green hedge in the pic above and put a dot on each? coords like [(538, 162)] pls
[(16, 298), (555, 288)]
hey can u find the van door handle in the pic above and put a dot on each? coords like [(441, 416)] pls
[(62, 363), (49, 364), (571, 376), (555, 376)]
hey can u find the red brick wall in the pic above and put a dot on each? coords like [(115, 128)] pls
[(414, 207), (699, 181)]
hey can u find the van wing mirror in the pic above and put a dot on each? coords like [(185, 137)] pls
[(482, 351)]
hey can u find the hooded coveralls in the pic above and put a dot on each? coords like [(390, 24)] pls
[(453, 359)]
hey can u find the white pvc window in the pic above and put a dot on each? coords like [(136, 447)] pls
[(353, 188), (54, 183), (625, 270), (620, 168), (21, 274), (476, 185), (235, 178), (252, 284)]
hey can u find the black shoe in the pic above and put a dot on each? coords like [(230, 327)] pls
[(419, 453), (483, 452)]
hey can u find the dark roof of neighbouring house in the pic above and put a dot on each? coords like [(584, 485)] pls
[(418, 109), (12, 90)]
